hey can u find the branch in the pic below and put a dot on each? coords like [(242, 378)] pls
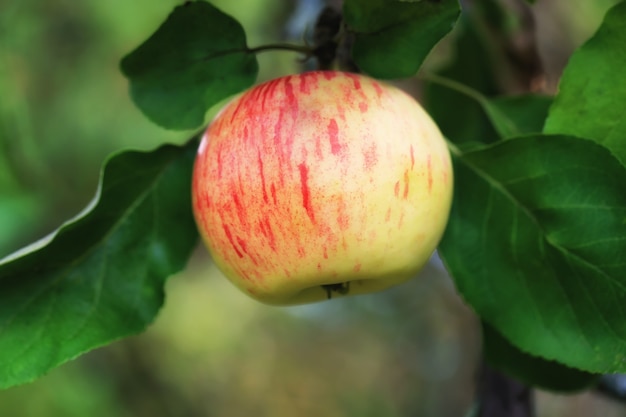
[(501, 396), (613, 386)]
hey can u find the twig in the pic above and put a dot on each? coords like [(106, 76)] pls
[(613, 386), (501, 396)]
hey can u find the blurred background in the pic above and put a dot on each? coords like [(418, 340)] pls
[(64, 106)]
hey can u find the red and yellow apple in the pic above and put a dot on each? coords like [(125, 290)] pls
[(321, 184)]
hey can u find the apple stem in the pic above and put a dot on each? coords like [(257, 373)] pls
[(332, 43)]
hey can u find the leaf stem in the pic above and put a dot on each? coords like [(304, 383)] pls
[(302, 49), (454, 150), (453, 85), (504, 126)]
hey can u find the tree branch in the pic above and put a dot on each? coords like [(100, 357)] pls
[(613, 386), (501, 396)]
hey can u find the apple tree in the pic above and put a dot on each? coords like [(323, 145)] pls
[(536, 236)]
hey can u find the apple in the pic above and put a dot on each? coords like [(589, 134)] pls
[(321, 184)]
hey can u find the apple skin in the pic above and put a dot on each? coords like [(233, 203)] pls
[(321, 184)]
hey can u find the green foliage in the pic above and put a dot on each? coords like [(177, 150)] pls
[(590, 102), (536, 237), (100, 276), (548, 296), (197, 58), (525, 114), (534, 243), (392, 38), (534, 371), (457, 105), (11, 205), (507, 116), (212, 352)]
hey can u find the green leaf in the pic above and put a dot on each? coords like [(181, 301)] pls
[(464, 98), (524, 114), (100, 277), (458, 114), (197, 58), (532, 370), (16, 205), (392, 38), (509, 116), (536, 243), (592, 91)]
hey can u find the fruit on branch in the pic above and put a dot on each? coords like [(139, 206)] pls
[(321, 184)]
